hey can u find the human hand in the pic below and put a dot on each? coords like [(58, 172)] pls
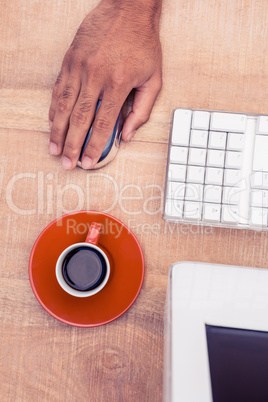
[(116, 49)]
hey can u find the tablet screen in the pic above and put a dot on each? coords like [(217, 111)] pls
[(238, 362)]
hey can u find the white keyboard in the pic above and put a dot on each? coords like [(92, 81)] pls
[(217, 170)]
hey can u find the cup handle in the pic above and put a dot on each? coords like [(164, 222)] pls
[(93, 233)]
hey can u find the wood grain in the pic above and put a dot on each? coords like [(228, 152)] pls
[(214, 56)]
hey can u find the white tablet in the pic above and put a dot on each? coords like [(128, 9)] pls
[(216, 333)]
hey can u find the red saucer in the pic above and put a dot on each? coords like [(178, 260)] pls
[(127, 269)]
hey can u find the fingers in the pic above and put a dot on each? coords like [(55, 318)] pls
[(102, 128), (80, 121), (63, 111), (72, 112), (143, 102)]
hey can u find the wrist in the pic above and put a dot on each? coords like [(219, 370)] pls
[(138, 8)]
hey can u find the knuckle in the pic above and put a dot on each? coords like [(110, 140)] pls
[(119, 76), (109, 106), (118, 80), (69, 91), (144, 118), (93, 148), (85, 107), (96, 69), (78, 118), (87, 64), (86, 103), (71, 149), (63, 105), (101, 124), (56, 133), (77, 62), (66, 99)]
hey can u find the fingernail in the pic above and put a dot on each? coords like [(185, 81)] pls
[(66, 163), (53, 148), (86, 162), (130, 135), (50, 123)]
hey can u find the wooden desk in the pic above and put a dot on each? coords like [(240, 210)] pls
[(214, 56)]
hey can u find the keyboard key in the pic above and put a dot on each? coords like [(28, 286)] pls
[(192, 210), (212, 194), (176, 190), (199, 138), (258, 217), (177, 172), (235, 141), (212, 212), (233, 160), (195, 174), (228, 122), (215, 158), (181, 127), (174, 208), (200, 120), (197, 156), (214, 176), (232, 177), (231, 195), (259, 198), (217, 140), (178, 155), (262, 125), (229, 214), (260, 159), (259, 180), (193, 192)]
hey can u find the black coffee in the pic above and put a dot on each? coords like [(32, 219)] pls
[(84, 268)]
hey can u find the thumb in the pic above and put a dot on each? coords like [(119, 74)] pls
[(143, 102)]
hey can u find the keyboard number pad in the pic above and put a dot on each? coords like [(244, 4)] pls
[(208, 166), (205, 166)]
